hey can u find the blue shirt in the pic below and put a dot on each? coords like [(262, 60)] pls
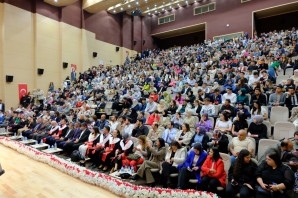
[(198, 139), (169, 135)]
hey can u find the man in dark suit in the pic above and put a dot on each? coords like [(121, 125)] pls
[(69, 147), (186, 89), (76, 132), (259, 97), (67, 136), (291, 98), (2, 106)]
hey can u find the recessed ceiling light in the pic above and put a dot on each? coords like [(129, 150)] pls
[(147, 8), (129, 5), (186, 2), (121, 8), (155, 11), (137, 2), (155, 5), (163, 9), (114, 11), (56, 0)]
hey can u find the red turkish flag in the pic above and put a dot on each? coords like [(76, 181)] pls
[(23, 90)]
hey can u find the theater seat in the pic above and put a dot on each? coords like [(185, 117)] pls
[(154, 170), (174, 175), (193, 181)]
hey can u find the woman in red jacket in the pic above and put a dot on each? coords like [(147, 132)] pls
[(213, 172)]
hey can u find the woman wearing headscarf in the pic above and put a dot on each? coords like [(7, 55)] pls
[(167, 97), (191, 168), (205, 122), (200, 137), (257, 129)]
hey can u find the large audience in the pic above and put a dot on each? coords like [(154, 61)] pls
[(175, 114)]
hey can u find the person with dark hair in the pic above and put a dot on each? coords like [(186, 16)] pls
[(258, 110), (156, 157), (71, 146), (200, 137), (223, 124), (227, 108), (101, 145), (273, 177), (170, 133), (242, 97), (257, 129), (239, 123), (92, 141), (154, 117), (109, 153), (173, 107), (219, 140), (241, 176), (139, 129), (191, 168), (175, 155), (213, 172), (258, 96), (139, 155), (125, 149), (241, 109), (184, 135)]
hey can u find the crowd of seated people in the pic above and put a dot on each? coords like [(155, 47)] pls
[(177, 110)]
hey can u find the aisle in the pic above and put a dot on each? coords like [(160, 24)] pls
[(25, 177)]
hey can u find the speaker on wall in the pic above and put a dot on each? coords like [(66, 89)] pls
[(9, 78), (40, 71), (117, 49), (135, 42), (94, 54), (65, 65)]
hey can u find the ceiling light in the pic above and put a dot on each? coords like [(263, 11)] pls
[(155, 11), (114, 11), (178, 5), (121, 8), (129, 5), (163, 9), (56, 0), (155, 5), (186, 2), (137, 3), (147, 8)]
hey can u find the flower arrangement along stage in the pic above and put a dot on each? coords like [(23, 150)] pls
[(112, 184)]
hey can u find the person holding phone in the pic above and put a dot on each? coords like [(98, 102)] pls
[(191, 168), (273, 177), (241, 176)]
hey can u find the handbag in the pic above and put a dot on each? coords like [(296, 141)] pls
[(133, 157)]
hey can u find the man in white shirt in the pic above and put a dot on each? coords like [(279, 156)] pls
[(113, 123), (239, 143), (253, 78), (229, 95), (151, 106), (208, 108), (128, 127)]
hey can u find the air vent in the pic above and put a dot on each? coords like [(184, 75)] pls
[(204, 9), (166, 19)]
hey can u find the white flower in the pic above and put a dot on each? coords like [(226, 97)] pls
[(99, 179)]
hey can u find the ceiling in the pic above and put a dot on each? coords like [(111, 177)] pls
[(180, 31), (277, 10), (148, 7)]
